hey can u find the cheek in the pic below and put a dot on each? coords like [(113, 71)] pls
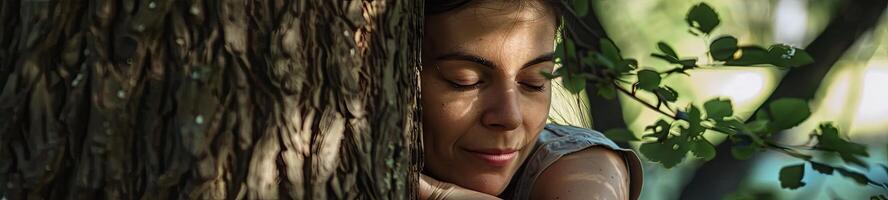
[(441, 104), (536, 108), (535, 113), (446, 116)]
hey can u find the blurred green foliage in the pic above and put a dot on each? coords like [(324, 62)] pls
[(669, 140)]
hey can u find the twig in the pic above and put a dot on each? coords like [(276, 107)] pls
[(624, 91)]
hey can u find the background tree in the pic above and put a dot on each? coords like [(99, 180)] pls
[(853, 19), (583, 49), (150, 99)]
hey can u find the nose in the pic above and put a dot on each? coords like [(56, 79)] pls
[(503, 112)]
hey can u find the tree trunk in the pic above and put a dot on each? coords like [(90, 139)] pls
[(228, 99)]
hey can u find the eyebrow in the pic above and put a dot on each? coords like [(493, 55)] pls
[(487, 63)]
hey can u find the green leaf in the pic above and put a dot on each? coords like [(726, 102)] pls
[(661, 153), (559, 52), (630, 63), (666, 93), (857, 177), (660, 130), (762, 114), (718, 109), (688, 62), (788, 113), (854, 160), (733, 124), (729, 127), (622, 67), (669, 153), (600, 59), (703, 149), (694, 118), (610, 50), (829, 140), (751, 55), (666, 58), (823, 169), (621, 134), (723, 48), (569, 49), (703, 18), (606, 91), (743, 152), (791, 176), (648, 80), (573, 83), (549, 76), (581, 7), (759, 127), (779, 55), (744, 138), (787, 56), (665, 48)]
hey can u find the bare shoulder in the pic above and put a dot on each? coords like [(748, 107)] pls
[(593, 173)]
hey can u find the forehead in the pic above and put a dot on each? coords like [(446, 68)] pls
[(491, 25), (500, 11)]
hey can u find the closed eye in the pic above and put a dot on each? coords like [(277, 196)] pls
[(465, 87), (534, 87)]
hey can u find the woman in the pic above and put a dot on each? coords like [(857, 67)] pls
[(485, 105)]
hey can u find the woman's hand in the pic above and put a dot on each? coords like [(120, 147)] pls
[(432, 189)]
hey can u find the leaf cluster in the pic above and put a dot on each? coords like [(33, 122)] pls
[(669, 140)]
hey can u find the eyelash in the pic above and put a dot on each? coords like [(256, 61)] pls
[(530, 87), (535, 88), (465, 87)]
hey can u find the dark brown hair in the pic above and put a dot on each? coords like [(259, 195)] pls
[(434, 7)]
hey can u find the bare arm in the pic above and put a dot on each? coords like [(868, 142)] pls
[(593, 173), (428, 185)]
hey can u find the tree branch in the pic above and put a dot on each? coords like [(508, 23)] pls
[(606, 113), (643, 102), (853, 20)]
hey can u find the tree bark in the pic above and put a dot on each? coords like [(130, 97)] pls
[(229, 99)]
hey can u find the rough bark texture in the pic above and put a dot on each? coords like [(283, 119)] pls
[(228, 99)]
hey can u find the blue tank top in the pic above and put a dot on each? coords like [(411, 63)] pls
[(556, 141)]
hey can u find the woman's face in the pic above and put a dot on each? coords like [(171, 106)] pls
[(484, 100)]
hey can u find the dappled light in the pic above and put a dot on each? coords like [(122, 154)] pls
[(871, 120), (718, 99), (850, 96), (568, 108)]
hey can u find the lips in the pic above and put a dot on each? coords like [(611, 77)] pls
[(495, 157)]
